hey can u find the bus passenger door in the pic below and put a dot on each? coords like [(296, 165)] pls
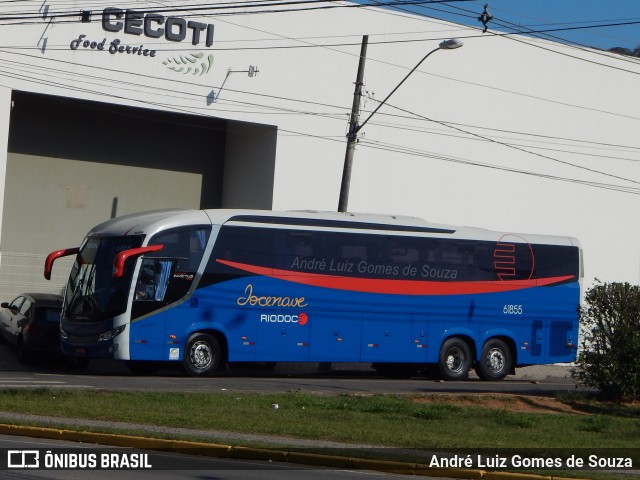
[(335, 336), (148, 319)]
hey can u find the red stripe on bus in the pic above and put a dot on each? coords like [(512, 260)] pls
[(404, 287)]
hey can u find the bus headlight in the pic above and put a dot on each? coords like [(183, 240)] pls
[(113, 333)]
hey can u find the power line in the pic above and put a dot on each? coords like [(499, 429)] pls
[(253, 104), (168, 91), (400, 149), (419, 153), (409, 151), (219, 8), (537, 33), (61, 85), (547, 157), (547, 22), (540, 33), (405, 128)]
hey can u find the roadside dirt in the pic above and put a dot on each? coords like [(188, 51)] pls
[(512, 403)]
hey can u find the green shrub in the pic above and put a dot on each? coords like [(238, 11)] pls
[(610, 355)]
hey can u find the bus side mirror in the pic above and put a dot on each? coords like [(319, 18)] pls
[(53, 256), (121, 258)]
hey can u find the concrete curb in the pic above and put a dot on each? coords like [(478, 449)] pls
[(249, 453)]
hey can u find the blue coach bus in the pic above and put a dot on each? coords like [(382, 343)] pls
[(209, 287)]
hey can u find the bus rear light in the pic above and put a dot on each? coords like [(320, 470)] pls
[(113, 333)]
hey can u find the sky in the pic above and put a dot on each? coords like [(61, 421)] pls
[(556, 14)]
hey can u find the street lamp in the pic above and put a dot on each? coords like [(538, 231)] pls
[(354, 127)]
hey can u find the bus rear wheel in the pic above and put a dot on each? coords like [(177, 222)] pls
[(454, 361), (495, 362), (202, 355)]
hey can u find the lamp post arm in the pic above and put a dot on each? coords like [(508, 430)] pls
[(359, 127), (354, 128)]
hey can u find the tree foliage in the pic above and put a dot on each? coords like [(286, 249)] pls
[(610, 356), (626, 51)]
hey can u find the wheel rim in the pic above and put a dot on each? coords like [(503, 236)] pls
[(495, 360), (455, 360), (201, 355)]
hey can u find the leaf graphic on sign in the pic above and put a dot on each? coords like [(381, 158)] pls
[(186, 64)]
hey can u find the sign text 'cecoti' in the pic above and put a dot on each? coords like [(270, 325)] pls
[(154, 25)]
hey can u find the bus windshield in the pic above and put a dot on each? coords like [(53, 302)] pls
[(92, 292)]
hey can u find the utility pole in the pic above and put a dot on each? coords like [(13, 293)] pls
[(355, 127), (353, 130)]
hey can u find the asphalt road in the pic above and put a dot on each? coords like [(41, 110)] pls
[(286, 377)]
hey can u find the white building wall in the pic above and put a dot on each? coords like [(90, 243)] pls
[(5, 114), (244, 144), (575, 112)]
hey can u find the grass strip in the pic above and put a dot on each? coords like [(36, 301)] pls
[(401, 421)]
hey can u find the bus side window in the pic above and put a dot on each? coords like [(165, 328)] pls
[(246, 245), (300, 244), (185, 245), (146, 284), (354, 252), (153, 280), (197, 243)]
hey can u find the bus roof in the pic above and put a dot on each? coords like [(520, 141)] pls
[(154, 221)]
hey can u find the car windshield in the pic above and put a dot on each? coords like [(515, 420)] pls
[(93, 294)]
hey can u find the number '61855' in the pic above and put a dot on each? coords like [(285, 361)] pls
[(512, 310)]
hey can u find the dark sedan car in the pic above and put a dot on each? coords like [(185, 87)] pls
[(32, 323)]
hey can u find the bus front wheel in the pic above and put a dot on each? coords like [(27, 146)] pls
[(454, 361), (495, 362), (202, 355)]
